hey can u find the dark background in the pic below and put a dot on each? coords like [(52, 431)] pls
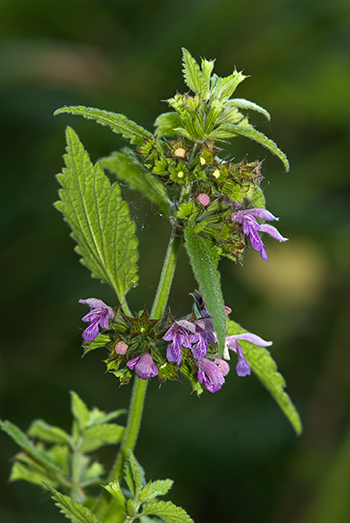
[(233, 455)]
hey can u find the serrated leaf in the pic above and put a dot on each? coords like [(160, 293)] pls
[(99, 219), (204, 261), (229, 130), (207, 68), (100, 435), (46, 432), (79, 410), (155, 488), (265, 368), (167, 123), (33, 475), (224, 87), (73, 510), (192, 74), (241, 103), (22, 441), (98, 417), (167, 511), (127, 168), (117, 122), (115, 490), (134, 474)]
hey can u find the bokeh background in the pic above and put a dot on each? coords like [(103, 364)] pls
[(233, 455)]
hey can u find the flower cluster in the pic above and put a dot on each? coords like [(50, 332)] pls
[(150, 349)]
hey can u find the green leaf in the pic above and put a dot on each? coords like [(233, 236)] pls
[(207, 69), (134, 474), (102, 340), (79, 410), (155, 488), (246, 104), (127, 168), (22, 441), (167, 511), (167, 123), (73, 510), (33, 475), (229, 130), (224, 87), (204, 261), (115, 490), (100, 435), (192, 74), (99, 219), (264, 367), (117, 122), (45, 432)]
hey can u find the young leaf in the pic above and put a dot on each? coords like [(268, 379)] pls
[(73, 510), (42, 430), (31, 474), (167, 511), (207, 68), (99, 219), (229, 130), (224, 87), (115, 490), (38, 456), (167, 124), (117, 122), (192, 74), (100, 435), (155, 488), (241, 103), (127, 168), (204, 261), (262, 364), (134, 474), (102, 340), (79, 410)]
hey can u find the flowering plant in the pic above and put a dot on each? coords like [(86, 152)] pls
[(214, 206)]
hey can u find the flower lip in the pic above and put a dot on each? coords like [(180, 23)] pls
[(144, 366), (211, 374), (99, 316)]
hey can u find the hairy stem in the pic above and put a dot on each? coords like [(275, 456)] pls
[(140, 386)]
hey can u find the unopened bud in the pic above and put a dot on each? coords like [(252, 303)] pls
[(121, 347), (203, 199)]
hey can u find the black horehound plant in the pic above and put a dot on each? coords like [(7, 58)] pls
[(216, 209)]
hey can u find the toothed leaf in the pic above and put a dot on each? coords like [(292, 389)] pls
[(99, 219), (117, 122), (73, 510), (127, 168), (192, 74), (264, 367), (204, 261), (241, 103)]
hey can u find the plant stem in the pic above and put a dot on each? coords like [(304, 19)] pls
[(140, 386), (167, 275)]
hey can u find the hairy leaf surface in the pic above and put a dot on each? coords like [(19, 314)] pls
[(204, 261), (117, 122), (73, 510), (167, 511), (192, 74), (265, 368), (127, 168), (99, 219)]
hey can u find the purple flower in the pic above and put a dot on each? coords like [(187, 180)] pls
[(178, 337), (251, 227), (242, 368), (144, 366), (99, 315), (202, 333), (211, 374)]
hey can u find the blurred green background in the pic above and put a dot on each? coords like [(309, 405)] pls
[(233, 455)]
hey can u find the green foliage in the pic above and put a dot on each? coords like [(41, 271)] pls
[(127, 168), (204, 262), (138, 503), (264, 367), (99, 219), (117, 122), (73, 510), (65, 463)]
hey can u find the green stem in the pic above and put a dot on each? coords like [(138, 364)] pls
[(140, 386), (167, 275)]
